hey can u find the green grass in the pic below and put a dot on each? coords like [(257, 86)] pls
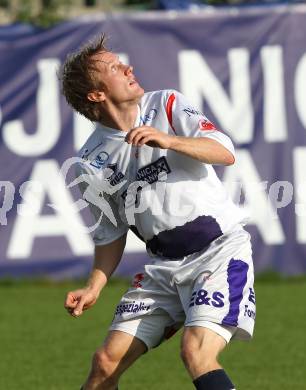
[(42, 348)]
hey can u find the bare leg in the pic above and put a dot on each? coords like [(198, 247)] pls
[(119, 351), (200, 350)]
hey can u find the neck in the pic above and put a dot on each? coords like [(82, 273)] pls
[(121, 118)]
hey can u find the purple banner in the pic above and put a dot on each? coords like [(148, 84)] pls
[(244, 68)]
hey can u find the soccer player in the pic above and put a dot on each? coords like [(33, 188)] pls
[(158, 151)]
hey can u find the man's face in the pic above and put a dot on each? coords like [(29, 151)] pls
[(119, 83)]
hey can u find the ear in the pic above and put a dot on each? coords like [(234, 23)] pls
[(96, 96)]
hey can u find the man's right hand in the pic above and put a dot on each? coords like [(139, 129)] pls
[(107, 257), (79, 300)]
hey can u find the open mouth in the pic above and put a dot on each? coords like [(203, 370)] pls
[(133, 82)]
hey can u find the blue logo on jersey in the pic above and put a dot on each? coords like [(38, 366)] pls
[(147, 118), (202, 297), (249, 312), (134, 307), (252, 296), (191, 111), (100, 160)]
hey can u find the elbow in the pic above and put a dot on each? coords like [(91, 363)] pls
[(230, 159)]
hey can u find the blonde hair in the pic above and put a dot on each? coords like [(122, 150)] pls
[(77, 77)]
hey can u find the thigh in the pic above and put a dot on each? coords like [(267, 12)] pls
[(203, 341), (151, 329), (200, 349)]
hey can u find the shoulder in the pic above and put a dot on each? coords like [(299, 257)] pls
[(88, 152), (94, 141), (162, 96)]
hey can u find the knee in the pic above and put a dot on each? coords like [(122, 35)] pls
[(104, 367), (196, 359)]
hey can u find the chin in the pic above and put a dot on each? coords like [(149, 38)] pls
[(141, 91), (136, 94)]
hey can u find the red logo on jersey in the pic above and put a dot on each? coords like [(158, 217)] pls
[(137, 279), (204, 124)]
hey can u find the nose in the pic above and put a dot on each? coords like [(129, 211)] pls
[(128, 69)]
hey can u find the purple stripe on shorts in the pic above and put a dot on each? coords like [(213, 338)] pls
[(236, 278)]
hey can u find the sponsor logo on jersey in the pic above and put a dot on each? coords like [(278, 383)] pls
[(134, 307), (202, 297), (148, 118), (252, 296), (134, 199), (100, 160), (151, 171), (85, 154), (149, 174), (204, 124), (116, 177), (138, 278), (204, 276), (249, 312), (191, 111)]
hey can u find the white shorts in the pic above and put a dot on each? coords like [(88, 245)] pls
[(213, 288)]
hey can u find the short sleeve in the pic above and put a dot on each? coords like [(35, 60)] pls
[(186, 120), (107, 225)]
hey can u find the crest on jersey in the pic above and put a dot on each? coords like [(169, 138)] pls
[(149, 116), (100, 160)]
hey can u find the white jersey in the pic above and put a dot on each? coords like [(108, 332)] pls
[(175, 204)]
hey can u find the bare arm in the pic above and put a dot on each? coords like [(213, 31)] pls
[(107, 258), (203, 149)]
